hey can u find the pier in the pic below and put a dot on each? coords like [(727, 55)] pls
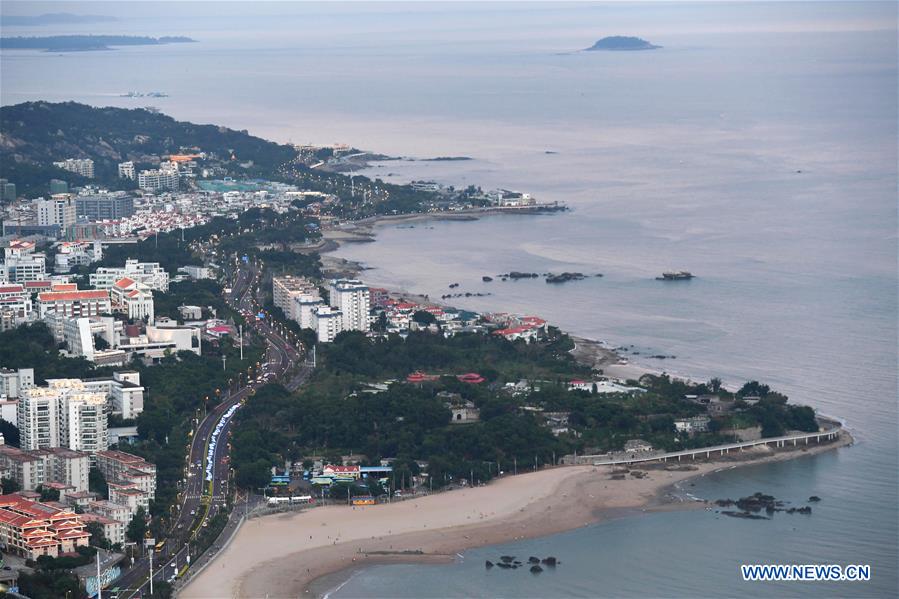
[(795, 440)]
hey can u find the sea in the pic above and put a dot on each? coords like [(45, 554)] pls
[(756, 149)]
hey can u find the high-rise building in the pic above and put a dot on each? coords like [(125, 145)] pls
[(287, 288), (60, 210), (165, 177), (65, 413), (328, 323), (351, 298), (7, 191), (14, 382), (104, 206), (79, 166), (126, 170)]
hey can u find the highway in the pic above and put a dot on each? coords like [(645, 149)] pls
[(205, 488)]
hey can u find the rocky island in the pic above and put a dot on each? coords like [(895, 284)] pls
[(619, 43)]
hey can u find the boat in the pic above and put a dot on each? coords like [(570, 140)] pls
[(681, 275)]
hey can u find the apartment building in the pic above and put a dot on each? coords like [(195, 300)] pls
[(287, 289), (71, 254), (351, 298), (21, 264), (79, 166), (328, 323), (128, 470), (59, 210), (74, 303), (32, 468), (65, 413), (148, 274), (126, 170), (14, 382)]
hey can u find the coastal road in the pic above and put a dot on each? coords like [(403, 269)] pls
[(205, 489)]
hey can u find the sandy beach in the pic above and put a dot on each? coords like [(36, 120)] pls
[(280, 555)]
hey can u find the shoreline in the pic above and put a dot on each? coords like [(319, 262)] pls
[(325, 541)]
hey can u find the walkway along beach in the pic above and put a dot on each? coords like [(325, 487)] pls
[(280, 555)]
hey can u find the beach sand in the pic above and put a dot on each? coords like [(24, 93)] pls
[(280, 555)]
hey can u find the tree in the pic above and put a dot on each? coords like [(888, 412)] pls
[(9, 485), (10, 433), (137, 528), (47, 493), (424, 318), (98, 537), (96, 482)]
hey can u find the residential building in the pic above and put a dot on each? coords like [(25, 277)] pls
[(31, 529), (126, 170), (305, 307), (196, 272), (71, 254), (105, 206), (7, 191), (128, 470), (165, 177), (328, 323), (74, 303), (42, 466), (113, 530), (15, 302), (287, 288), (132, 299), (65, 413), (59, 210), (14, 382), (111, 510), (130, 497), (637, 446), (21, 264), (83, 166), (696, 424), (148, 274), (123, 391), (351, 298)]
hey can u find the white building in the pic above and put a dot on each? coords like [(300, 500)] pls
[(65, 413), (79, 166), (126, 170), (33, 468), (21, 264), (148, 274), (696, 424), (352, 299), (287, 288), (14, 382), (328, 323), (74, 303), (305, 307), (72, 254), (129, 470), (196, 272), (165, 177), (59, 210), (132, 299)]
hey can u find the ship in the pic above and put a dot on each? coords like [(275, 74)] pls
[(681, 275)]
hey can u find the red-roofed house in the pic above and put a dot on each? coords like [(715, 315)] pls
[(33, 529), (471, 377), (132, 298)]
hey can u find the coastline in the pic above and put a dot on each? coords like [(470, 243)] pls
[(328, 540)]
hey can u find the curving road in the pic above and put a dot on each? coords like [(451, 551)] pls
[(205, 489)]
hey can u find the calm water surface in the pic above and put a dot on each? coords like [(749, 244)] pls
[(757, 149)]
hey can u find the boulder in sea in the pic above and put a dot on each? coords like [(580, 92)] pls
[(814, 498), (504, 565), (533, 560), (549, 561), (486, 279), (507, 558), (488, 564), (535, 569)]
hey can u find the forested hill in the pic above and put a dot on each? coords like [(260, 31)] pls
[(35, 134)]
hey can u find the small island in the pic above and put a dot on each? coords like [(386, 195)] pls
[(83, 43), (620, 43)]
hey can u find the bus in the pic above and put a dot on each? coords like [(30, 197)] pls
[(159, 546)]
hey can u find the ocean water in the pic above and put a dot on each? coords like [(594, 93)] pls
[(757, 150)]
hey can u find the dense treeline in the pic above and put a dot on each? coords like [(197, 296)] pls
[(33, 346)]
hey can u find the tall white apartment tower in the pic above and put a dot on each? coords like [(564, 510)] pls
[(351, 297), (63, 414)]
